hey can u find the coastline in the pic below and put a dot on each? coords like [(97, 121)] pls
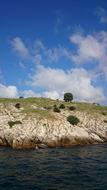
[(49, 129)]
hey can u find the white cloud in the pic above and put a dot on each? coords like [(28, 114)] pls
[(30, 93), (8, 91), (46, 94), (56, 81), (19, 46), (51, 94), (89, 47), (101, 14)]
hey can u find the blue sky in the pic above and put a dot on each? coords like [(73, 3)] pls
[(51, 47)]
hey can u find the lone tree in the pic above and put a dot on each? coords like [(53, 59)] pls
[(68, 97)]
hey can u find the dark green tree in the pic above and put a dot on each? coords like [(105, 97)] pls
[(68, 97)]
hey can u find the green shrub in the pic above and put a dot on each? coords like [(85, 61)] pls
[(72, 108), (105, 121), (62, 106), (54, 105), (12, 123), (47, 107), (73, 120), (103, 113), (17, 105), (56, 109)]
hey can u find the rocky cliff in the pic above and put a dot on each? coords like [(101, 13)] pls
[(19, 129)]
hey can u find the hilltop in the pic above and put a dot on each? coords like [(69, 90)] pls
[(32, 122)]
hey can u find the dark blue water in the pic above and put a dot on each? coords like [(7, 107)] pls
[(77, 168)]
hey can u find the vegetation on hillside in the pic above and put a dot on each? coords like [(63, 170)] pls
[(73, 120), (68, 97), (12, 123), (43, 107)]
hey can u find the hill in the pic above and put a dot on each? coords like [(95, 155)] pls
[(35, 122)]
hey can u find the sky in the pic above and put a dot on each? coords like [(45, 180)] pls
[(51, 47)]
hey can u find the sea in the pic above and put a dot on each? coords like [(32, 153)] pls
[(75, 168)]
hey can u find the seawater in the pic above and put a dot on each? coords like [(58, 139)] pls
[(76, 168)]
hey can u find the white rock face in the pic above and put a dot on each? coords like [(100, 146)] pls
[(32, 131)]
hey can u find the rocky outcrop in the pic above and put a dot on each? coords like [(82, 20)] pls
[(31, 131)]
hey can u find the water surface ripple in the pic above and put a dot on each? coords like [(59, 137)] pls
[(77, 168)]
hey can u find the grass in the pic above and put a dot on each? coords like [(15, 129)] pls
[(39, 113), (40, 102), (27, 103), (91, 108)]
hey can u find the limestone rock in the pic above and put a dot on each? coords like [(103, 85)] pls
[(33, 131)]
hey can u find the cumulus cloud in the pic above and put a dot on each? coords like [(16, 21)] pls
[(101, 14), (56, 81), (46, 94), (51, 94), (8, 91), (19, 46), (91, 49), (30, 93)]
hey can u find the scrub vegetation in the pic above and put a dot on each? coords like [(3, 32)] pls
[(45, 107)]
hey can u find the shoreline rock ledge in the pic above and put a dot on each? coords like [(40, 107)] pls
[(20, 130)]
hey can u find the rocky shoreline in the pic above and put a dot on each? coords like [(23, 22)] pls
[(30, 131)]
